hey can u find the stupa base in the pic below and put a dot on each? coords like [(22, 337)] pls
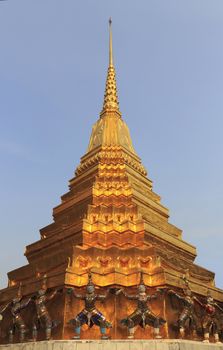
[(165, 344)]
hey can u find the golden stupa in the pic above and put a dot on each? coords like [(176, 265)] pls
[(112, 224)]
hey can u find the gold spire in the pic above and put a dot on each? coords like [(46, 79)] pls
[(110, 43), (111, 96)]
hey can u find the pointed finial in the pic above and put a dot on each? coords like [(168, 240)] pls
[(44, 282), (111, 96), (208, 293), (141, 286), (19, 292), (141, 278), (110, 43), (90, 283)]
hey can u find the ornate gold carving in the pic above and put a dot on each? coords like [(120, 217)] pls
[(112, 156), (83, 262), (104, 261), (144, 262), (124, 261)]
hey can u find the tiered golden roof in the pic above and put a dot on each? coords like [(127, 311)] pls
[(111, 218)]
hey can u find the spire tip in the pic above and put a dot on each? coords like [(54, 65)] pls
[(110, 43), (111, 96)]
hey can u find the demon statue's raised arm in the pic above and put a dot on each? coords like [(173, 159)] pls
[(42, 317), (142, 316), (90, 315), (16, 306), (188, 313), (211, 322)]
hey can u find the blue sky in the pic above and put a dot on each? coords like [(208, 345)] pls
[(53, 63)]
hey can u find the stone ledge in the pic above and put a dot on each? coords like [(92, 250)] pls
[(114, 345)]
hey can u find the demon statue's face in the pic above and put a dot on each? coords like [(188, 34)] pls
[(90, 289), (142, 288), (41, 292)]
